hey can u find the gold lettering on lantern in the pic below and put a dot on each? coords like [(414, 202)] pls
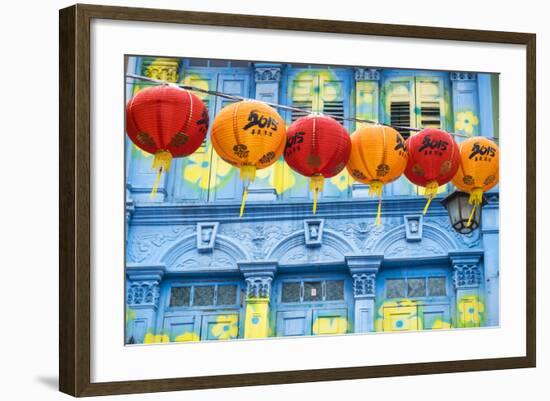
[(313, 160), (358, 174), (418, 170), (468, 180), (241, 151), (179, 139), (145, 139), (445, 167), (489, 180), (382, 170)]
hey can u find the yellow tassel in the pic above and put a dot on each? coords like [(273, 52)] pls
[(476, 198), (316, 184), (248, 172), (430, 192), (375, 188), (161, 162), (245, 193), (379, 210)]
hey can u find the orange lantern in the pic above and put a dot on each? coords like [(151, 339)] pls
[(249, 135), (478, 170), (378, 156)]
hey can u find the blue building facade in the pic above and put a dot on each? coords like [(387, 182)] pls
[(195, 271)]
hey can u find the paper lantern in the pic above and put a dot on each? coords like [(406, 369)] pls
[(433, 160), (317, 147), (167, 122), (378, 157), (478, 171), (249, 135)]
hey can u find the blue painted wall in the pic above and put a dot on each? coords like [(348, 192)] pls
[(334, 272)]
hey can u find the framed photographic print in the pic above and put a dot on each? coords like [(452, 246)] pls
[(280, 200)]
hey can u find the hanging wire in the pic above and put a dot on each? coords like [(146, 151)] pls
[(276, 105)]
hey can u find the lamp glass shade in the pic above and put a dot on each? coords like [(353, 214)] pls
[(459, 210)]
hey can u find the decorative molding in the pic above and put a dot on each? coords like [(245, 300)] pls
[(463, 76), (367, 74), (413, 227), (313, 230), (364, 285), (143, 293), (206, 236), (141, 246), (267, 74)]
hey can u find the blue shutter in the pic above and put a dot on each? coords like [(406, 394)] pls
[(293, 323), (182, 328)]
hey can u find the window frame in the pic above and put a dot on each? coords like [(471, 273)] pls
[(216, 284)]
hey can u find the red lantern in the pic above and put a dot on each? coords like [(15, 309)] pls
[(434, 158), (168, 122), (318, 147)]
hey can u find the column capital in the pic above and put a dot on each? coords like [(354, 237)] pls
[(463, 76), (258, 277), (367, 74), (267, 73), (466, 271)]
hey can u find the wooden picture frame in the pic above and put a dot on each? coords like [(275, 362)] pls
[(75, 199)]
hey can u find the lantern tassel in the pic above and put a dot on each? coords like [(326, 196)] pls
[(245, 194), (247, 174), (161, 162), (378, 212), (316, 184), (375, 189), (476, 197), (430, 192)]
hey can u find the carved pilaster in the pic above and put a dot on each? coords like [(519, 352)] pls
[(267, 74), (466, 269), (363, 270), (466, 275), (364, 285), (463, 76), (258, 277), (258, 287), (367, 74), (143, 293)]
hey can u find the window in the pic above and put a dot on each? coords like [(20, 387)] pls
[(312, 291), (416, 287), (204, 295), (415, 102), (320, 91)]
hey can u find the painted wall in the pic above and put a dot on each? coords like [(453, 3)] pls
[(197, 272)]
